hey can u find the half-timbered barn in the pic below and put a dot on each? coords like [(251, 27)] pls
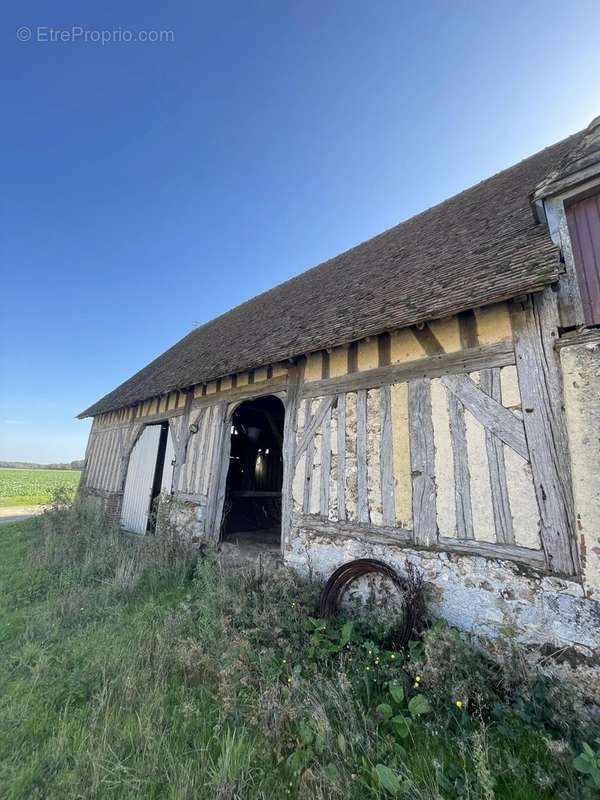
[(431, 395)]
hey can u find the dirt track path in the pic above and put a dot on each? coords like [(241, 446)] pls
[(19, 513)]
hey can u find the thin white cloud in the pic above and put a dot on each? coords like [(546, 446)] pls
[(14, 422)]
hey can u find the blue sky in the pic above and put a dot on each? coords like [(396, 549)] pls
[(148, 187)]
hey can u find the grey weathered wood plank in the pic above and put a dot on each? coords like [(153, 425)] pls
[(325, 465), (492, 415), (133, 435), (503, 521), (524, 555), (311, 427), (291, 404), (535, 330), (87, 459), (422, 461), (218, 471), (250, 390), (386, 458), (197, 456), (341, 457), (363, 530), (308, 474), (361, 456), (401, 537), (435, 366), (462, 474), (222, 471)]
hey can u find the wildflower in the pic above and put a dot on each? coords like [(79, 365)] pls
[(392, 656), (415, 685), (284, 661), (458, 704), (368, 669), (289, 680), (418, 678), (377, 660)]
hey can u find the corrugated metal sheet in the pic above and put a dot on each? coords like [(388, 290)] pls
[(140, 477), (584, 228)]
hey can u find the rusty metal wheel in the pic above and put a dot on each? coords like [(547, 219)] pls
[(410, 587)]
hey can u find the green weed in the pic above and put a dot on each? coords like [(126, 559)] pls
[(136, 667)]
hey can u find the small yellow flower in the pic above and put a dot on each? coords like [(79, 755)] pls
[(289, 680), (458, 704), (418, 679), (284, 661), (368, 669), (393, 657), (377, 660), (415, 686)]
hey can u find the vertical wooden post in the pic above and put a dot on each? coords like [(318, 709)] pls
[(289, 450), (535, 323), (341, 457), (325, 465), (422, 461), (503, 522), (308, 469), (218, 472), (180, 433), (361, 455), (386, 457)]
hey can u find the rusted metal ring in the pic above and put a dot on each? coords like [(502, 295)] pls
[(343, 576)]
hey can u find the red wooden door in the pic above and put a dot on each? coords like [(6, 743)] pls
[(584, 228)]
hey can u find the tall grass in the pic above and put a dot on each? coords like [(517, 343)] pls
[(137, 667)]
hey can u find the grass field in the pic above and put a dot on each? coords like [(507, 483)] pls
[(132, 668), (30, 487)]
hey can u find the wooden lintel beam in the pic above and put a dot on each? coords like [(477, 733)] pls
[(435, 366)]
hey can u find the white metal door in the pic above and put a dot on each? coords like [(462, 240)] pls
[(140, 478)]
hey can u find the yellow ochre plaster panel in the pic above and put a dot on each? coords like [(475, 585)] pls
[(368, 354), (404, 347), (493, 323), (313, 369), (447, 332), (279, 370), (338, 362)]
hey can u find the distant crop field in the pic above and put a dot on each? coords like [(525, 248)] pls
[(29, 487)]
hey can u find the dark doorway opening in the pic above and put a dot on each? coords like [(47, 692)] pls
[(252, 512)]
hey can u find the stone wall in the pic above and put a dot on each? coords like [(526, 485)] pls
[(581, 372), (486, 597)]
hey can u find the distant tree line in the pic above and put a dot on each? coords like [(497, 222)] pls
[(26, 465)]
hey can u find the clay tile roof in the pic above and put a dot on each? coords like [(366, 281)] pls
[(479, 247), (580, 163)]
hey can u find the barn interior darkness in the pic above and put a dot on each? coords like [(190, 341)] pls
[(253, 496)]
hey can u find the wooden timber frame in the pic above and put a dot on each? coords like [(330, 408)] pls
[(539, 437)]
